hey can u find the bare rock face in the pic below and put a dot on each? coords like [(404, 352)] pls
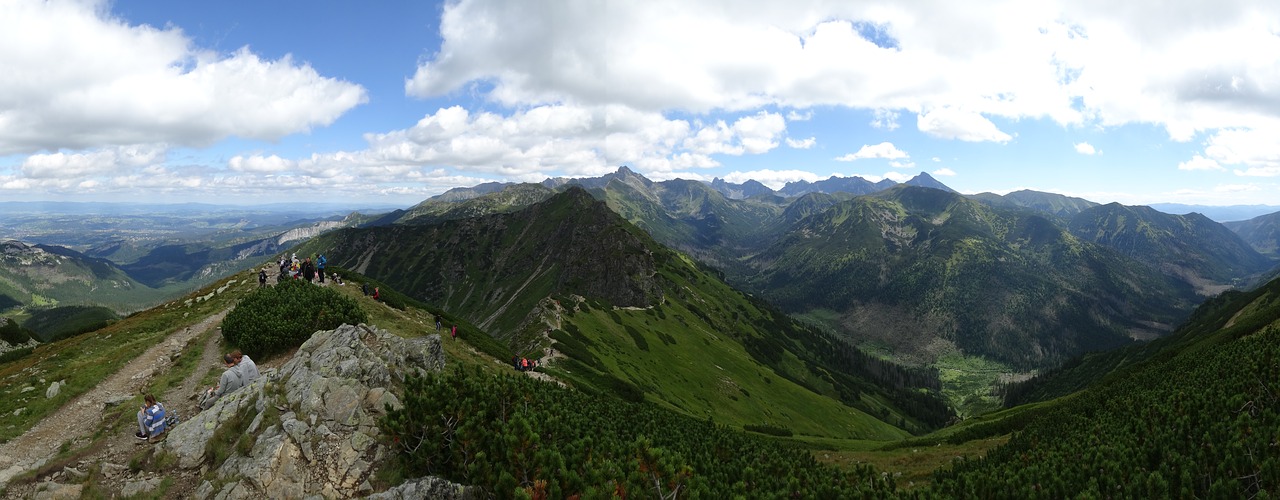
[(427, 487), (310, 428)]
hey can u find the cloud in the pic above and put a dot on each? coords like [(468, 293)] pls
[(802, 143), (796, 116), (885, 119), (1085, 148), (259, 164), (1258, 172), (535, 143), (902, 164), (898, 177), (1200, 163), (1068, 62), (76, 78), (936, 159), (1258, 147), (944, 172), (750, 134), (882, 150), (69, 165), (952, 123)]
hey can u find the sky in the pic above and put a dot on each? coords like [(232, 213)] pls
[(239, 102)]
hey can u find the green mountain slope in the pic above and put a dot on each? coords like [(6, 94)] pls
[(1196, 250), (1049, 203), (510, 198), (44, 276), (912, 266), (1262, 233), (638, 320), (1197, 419)]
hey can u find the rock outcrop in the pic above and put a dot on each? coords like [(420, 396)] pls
[(310, 428)]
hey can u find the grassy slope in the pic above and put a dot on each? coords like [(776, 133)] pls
[(84, 361), (683, 362)]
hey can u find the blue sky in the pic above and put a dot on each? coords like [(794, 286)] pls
[(393, 102)]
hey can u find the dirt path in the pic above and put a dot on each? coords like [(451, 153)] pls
[(78, 418)]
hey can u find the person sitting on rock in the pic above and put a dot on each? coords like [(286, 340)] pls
[(231, 380), (248, 368), (150, 419)]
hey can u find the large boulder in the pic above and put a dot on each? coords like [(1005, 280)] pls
[(309, 428)]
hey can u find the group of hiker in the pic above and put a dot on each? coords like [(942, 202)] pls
[(295, 268), (153, 420), (453, 329), (523, 364)]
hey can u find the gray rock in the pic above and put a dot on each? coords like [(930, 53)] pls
[(74, 473), (114, 401), (427, 487), (58, 491), (135, 488), (325, 443)]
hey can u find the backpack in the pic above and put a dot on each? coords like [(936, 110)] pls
[(170, 419)]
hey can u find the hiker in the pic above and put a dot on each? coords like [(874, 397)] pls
[(338, 278), (320, 266), (308, 270), (231, 380), (376, 294), (454, 332), (150, 419), (262, 277), (437, 322), (248, 368), (524, 364), (364, 288), (515, 362)]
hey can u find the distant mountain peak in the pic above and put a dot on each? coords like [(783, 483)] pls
[(923, 179)]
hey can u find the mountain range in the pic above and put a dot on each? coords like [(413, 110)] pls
[(634, 318), (1027, 279)]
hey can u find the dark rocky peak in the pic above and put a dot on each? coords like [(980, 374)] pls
[(926, 180)]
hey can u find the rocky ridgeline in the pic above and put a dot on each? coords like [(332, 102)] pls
[(310, 428)]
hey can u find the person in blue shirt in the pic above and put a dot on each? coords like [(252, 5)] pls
[(150, 419)]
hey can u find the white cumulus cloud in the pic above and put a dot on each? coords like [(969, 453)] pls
[(1085, 148), (802, 143), (883, 150), (73, 77), (1198, 162), (952, 123)]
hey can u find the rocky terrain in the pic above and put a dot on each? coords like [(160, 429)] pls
[(307, 428)]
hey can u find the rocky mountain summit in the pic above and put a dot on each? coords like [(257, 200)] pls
[(309, 428)]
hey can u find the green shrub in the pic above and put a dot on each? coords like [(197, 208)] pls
[(516, 437), (12, 333), (275, 319), (15, 354)]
